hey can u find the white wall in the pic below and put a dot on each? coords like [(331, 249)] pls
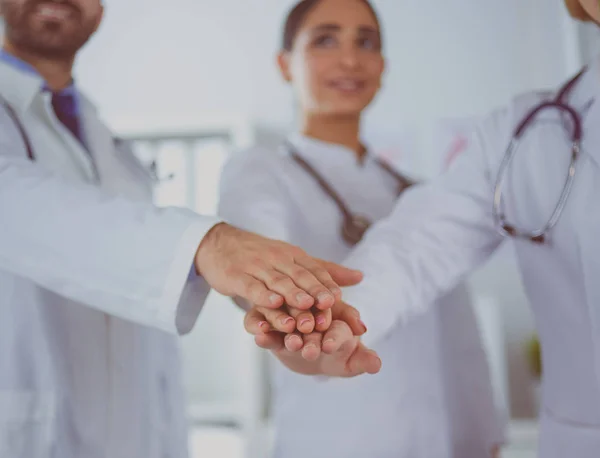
[(192, 58)]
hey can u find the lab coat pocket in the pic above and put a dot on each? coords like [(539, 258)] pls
[(27, 420)]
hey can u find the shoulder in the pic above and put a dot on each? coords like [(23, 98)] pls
[(493, 132), (504, 119)]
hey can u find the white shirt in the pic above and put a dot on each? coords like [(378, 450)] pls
[(443, 230), (417, 405), (93, 288)]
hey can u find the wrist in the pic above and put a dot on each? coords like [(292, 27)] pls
[(206, 247)]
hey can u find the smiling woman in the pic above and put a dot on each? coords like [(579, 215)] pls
[(321, 190), (311, 50)]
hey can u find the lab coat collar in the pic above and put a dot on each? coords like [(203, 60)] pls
[(27, 83), (22, 86), (586, 100), (87, 106), (323, 154)]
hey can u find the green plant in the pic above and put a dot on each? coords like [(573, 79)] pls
[(534, 356)]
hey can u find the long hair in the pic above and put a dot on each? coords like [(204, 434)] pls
[(298, 13)]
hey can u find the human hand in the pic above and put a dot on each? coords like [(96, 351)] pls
[(295, 323), (267, 272), (334, 350), (335, 353)]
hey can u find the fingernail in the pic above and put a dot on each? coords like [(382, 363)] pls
[(324, 297), (304, 321), (363, 325), (294, 339), (310, 347), (326, 341), (287, 320), (264, 326), (321, 319), (275, 299), (336, 292), (303, 297)]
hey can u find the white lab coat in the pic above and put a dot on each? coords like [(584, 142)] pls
[(415, 407), (93, 287), (443, 230)]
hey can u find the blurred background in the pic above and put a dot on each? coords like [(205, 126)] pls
[(189, 80)]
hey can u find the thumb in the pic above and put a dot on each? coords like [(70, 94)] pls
[(363, 361)]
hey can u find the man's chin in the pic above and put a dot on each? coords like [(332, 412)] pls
[(50, 53), (51, 45)]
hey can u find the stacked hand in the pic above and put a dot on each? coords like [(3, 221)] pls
[(314, 332), (268, 272), (314, 342)]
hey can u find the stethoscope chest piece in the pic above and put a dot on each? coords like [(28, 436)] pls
[(354, 228)]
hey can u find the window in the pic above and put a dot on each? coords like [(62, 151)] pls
[(224, 374)]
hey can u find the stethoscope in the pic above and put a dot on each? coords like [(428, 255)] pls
[(540, 236), (354, 226), (152, 168)]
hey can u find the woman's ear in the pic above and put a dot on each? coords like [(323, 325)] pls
[(283, 62)]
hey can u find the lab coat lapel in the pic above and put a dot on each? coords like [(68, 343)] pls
[(588, 229), (32, 105), (586, 100), (22, 87), (119, 170), (76, 150), (582, 208)]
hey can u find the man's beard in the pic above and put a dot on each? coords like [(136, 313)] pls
[(49, 39)]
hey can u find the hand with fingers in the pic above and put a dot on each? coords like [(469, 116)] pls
[(330, 348), (269, 273)]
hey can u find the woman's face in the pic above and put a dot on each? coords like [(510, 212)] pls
[(592, 7), (336, 63)]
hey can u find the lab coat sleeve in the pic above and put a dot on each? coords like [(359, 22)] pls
[(252, 196), (437, 233), (127, 259)]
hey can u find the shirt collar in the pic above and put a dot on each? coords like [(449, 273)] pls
[(17, 63), (320, 153), (24, 68)]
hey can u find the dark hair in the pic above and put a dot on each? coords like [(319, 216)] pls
[(297, 15)]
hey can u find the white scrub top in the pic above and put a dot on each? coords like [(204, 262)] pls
[(93, 288), (433, 396), (443, 230)]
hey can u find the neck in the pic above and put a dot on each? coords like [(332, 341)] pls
[(58, 73), (335, 129)]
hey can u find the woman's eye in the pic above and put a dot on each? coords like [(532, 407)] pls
[(367, 43), (324, 41)]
